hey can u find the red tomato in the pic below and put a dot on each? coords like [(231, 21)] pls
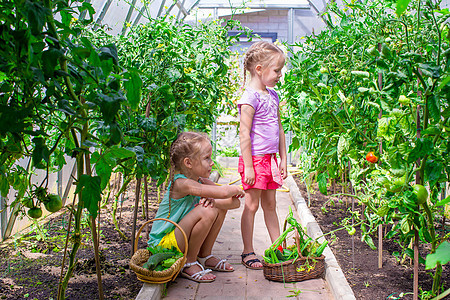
[(371, 157), (280, 248)]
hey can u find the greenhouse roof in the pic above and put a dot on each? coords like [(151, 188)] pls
[(119, 14)]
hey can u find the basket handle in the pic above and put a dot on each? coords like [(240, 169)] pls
[(136, 240), (297, 241)]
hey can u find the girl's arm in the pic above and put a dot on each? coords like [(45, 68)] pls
[(185, 186), (228, 203), (246, 122), (282, 147)]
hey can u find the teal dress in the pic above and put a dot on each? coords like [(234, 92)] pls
[(178, 209)]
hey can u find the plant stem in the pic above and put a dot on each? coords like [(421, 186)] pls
[(114, 208)]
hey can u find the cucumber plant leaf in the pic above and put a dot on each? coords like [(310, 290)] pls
[(89, 190), (401, 7), (442, 256)]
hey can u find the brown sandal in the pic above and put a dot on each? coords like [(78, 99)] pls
[(249, 263)]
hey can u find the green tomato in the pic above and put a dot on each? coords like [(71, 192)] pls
[(53, 203), (421, 193), (324, 70), (404, 100), (351, 231), (35, 212), (397, 185), (343, 72)]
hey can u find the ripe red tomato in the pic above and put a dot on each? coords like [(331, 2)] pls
[(371, 157), (280, 248)]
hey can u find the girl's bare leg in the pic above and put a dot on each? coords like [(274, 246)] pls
[(196, 224), (269, 206), (248, 221), (206, 248)]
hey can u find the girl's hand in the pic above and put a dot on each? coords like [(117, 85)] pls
[(249, 176), (205, 202), (237, 192), (283, 169)]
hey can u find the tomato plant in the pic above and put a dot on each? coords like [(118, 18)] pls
[(393, 96), (70, 91)]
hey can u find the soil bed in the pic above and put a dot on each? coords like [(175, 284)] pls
[(32, 268), (360, 266)]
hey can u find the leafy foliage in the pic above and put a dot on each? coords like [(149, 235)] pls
[(377, 82)]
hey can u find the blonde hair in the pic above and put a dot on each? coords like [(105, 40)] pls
[(187, 144), (260, 53)]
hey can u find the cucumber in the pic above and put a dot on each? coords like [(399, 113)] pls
[(156, 258), (279, 255)]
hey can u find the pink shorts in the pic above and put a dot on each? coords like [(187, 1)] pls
[(264, 177)]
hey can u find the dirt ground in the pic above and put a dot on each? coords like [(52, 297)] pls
[(359, 262), (32, 268)]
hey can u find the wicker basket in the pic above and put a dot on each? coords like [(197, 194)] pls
[(302, 268), (142, 255)]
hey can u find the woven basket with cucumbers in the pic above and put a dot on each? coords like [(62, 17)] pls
[(157, 264), (300, 261)]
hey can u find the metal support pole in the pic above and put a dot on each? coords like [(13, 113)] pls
[(2, 217), (59, 183), (127, 19), (103, 12), (291, 26), (214, 138), (83, 13)]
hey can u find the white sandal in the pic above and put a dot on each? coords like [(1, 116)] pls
[(196, 276), (220, 266)]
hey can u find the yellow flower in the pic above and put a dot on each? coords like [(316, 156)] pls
[(160, 46), (128, 24)]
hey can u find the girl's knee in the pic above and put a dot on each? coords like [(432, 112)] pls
[(251, 207), (209, 213)]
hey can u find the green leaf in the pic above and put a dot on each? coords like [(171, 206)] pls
[(442, 256), (133, 87), (423, 147), (118, 152), (433, 105), (4, 186), (322, 181), (50, 59), (385, 129), (88, 188), (103, 170), (342, 147), (433, 170), (37, 15), (109, 106), (109, 52), (430, 71), (444, 82), (443, 201), (369, 241), (401, 7)]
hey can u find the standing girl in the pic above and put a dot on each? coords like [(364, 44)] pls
[(261, 138), (197, 204)]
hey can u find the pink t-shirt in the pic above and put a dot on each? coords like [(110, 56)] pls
[(265, 131)]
